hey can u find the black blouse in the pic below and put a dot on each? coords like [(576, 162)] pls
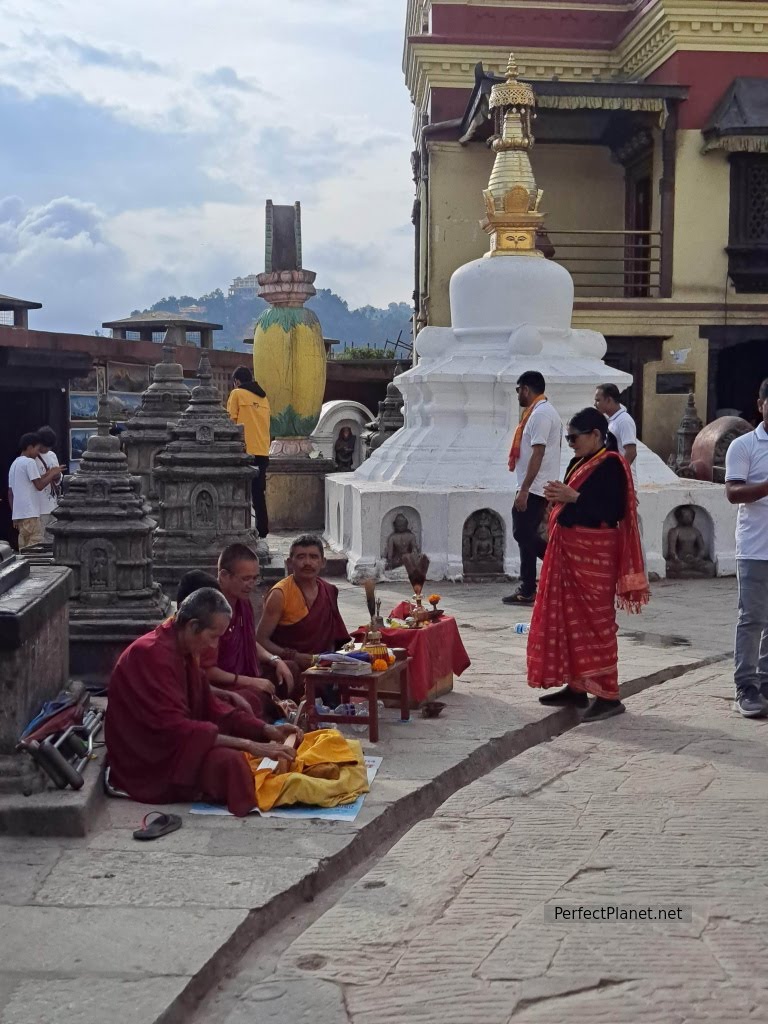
[(602, 497)]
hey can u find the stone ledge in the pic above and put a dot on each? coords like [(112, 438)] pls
[(28, 605), (55, 812)]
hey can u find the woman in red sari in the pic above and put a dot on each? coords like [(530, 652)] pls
[(594, 562)]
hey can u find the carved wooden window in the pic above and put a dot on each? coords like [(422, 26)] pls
[(748, 238)]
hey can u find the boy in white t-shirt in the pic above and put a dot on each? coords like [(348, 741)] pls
[(49, 496), (25, 482)]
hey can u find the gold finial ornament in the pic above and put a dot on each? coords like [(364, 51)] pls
[(512, 197)]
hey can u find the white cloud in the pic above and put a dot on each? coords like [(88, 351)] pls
[(302, 100)]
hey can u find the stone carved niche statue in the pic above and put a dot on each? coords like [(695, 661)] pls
[(98, 569), (402, 541), (344, 450), (204, 509), (687, 553), (483, 543)]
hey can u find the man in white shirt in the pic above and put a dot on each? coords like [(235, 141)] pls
[(25, 482), (535, 460), (620, 423), (49, 496), (746, 485)]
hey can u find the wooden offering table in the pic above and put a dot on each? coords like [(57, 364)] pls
[(392, 683), (435, 652)]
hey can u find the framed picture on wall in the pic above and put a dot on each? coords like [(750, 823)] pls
[(130, 377), (124, 404), (78, 441), (83, 406), (88, 383)]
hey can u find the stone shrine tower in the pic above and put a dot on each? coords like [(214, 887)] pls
[(102, 532), (162, 403), (203, 479)]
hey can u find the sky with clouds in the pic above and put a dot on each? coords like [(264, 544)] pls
[(140, 139)]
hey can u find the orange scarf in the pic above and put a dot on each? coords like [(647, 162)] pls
[(517, 440)]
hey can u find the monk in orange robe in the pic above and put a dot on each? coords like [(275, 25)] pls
[(169, 738), (301, 614)]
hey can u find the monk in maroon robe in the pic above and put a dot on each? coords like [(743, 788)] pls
[(169, 738), (241, 665), (301, 614)]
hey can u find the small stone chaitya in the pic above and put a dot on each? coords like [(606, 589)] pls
[(103, 533), (146, 433), (204, 488)]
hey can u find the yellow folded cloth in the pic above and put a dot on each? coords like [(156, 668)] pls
[(329, 770)]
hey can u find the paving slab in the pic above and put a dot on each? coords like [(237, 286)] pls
[(107, 911)]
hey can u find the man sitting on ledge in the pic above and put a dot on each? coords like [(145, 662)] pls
[(168, 737), (301, 614), (241, 665)]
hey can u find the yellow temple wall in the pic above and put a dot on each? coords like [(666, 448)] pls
[(702, 200)]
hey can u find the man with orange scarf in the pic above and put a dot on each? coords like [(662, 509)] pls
[(594, 561), (535, 459)]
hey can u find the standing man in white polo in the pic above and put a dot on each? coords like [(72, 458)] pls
[(746, 485), (535, 460), (620, 423)]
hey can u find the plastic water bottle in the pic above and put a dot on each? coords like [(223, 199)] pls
[(323, 709), (360, 707), (522, 627)]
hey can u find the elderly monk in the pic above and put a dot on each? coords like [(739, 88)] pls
[(301, 614), (169, 738), (241, 665)]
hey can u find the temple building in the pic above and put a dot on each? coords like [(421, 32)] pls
[(652, 151)]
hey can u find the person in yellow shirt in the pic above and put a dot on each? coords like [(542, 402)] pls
[(248, 404)]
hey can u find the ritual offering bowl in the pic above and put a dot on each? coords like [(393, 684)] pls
[(434, 615), (432, 708)]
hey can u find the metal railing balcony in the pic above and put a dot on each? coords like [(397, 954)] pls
[(610, 264)]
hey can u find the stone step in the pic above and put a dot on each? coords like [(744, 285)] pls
[(56, 812)]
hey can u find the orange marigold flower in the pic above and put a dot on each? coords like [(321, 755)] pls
[(380, 665), (434, 598)]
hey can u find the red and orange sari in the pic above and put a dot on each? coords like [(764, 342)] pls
[(586, 574)]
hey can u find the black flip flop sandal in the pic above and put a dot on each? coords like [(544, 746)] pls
[(162, 825)]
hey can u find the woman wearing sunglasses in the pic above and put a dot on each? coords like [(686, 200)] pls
[(594, 562)]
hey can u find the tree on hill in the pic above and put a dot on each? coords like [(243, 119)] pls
[(366, 327)]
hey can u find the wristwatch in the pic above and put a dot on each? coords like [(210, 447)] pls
[(274, 658)]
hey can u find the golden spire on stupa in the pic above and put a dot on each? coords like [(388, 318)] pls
[(512, 197)]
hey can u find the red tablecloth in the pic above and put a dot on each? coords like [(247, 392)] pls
[(435, 651)]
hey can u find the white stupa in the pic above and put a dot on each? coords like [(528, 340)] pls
[(510, 312)]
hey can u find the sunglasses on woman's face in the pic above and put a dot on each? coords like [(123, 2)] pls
[(570, 438)]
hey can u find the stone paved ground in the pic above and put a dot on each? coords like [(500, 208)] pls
[(664, 805), (104, 929)]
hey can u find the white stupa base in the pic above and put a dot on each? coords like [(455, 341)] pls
[(510, 314), (356, 510)]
